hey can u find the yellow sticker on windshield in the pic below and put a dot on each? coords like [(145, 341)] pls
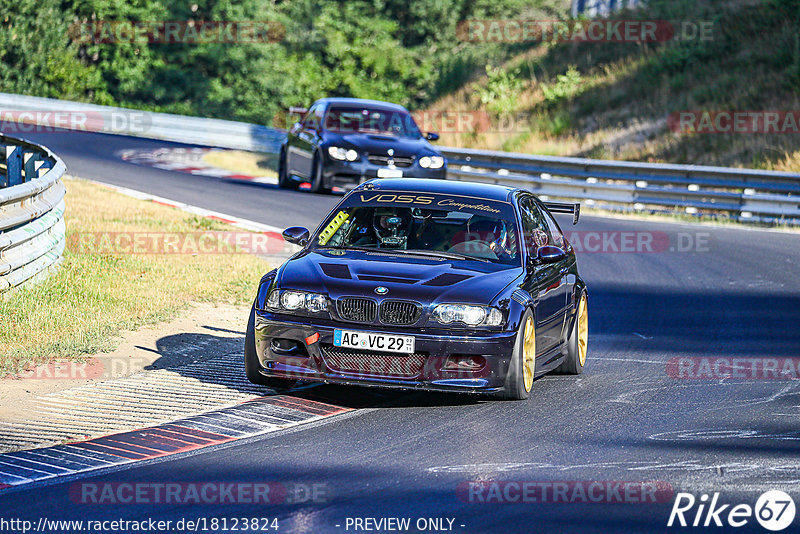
[(334, 225)]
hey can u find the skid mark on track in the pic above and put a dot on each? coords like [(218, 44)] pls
[(657, 395), (683, 465), (756, 474), (719, 435)]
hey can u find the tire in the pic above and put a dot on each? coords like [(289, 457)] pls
[(252, 366), (522, 370), (317, 185), (577, 343), (284, 181)]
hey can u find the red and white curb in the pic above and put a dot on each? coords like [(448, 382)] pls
[(189, 161), (260, 416)]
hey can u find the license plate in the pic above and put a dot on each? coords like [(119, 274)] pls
[(370, 341), (390, 173)]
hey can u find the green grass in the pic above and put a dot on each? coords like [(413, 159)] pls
[(92, 297), (612, 99)]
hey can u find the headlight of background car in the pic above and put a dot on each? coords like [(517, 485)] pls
[(296, 301), (469, 315), (337, 152), (431, 162)]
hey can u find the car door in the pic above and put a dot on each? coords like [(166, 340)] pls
[(302, 142), (544, 281), (567, 282)]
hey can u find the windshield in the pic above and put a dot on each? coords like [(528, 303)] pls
[(449, 226), (374, 121)]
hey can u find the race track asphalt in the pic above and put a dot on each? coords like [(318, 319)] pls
[(707, 292)]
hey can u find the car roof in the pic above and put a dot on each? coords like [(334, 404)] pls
[(360, 102), (500, 193)]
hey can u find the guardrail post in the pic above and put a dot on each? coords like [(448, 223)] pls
[(31, 169), (4, 175), (13, 165)]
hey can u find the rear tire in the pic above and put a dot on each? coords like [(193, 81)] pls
[(251, 364), (284, 181), (317, 178), (577, 343), (522, 370)]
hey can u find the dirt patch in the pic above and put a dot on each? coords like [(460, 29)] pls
[(202, 332)]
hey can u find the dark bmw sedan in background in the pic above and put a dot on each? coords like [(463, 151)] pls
[(341, 142)]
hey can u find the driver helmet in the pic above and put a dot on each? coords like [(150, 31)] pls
[(493, 232), (390, 222)]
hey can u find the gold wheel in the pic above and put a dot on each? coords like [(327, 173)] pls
[(583, 330), (529, 353)]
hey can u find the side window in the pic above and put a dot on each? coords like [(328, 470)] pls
[(533, 225), (313, 118), (556, 237)]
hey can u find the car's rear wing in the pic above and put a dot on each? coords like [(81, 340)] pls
[(565, 207), (299, 111)]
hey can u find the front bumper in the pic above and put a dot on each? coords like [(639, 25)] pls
[(317, 360), (348, 174)]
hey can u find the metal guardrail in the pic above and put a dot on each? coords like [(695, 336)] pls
[(740, 194), (124, 121), (32, 230)]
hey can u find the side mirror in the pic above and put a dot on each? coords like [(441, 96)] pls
[(550, 254), (432, 136), (296, 235), (296, 128)]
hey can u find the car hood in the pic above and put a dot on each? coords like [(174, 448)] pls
[(380, 144), (425, 280)]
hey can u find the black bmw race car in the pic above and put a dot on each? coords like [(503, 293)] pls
[(429, 284), (345, 141)]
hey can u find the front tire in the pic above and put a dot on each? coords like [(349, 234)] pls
[(577, 343), (284, 181), (317, 185), (251, 364), (522, 370)]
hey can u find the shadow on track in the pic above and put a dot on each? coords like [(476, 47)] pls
[(702, 323)]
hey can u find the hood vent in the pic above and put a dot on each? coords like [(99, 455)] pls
[(446, 279), (336, 270), (409, 256), (387, 279)]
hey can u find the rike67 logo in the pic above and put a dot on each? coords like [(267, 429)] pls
[(774, 510)]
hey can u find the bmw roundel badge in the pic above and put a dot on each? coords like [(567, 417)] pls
[(380, 290)]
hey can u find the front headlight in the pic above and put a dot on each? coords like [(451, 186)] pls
[(291, 301), (431, 162), (337, 152), (468, 315)]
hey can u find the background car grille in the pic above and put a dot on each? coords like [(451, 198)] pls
[(400, 312), (399, 161), (366, 363), (357, 310)]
